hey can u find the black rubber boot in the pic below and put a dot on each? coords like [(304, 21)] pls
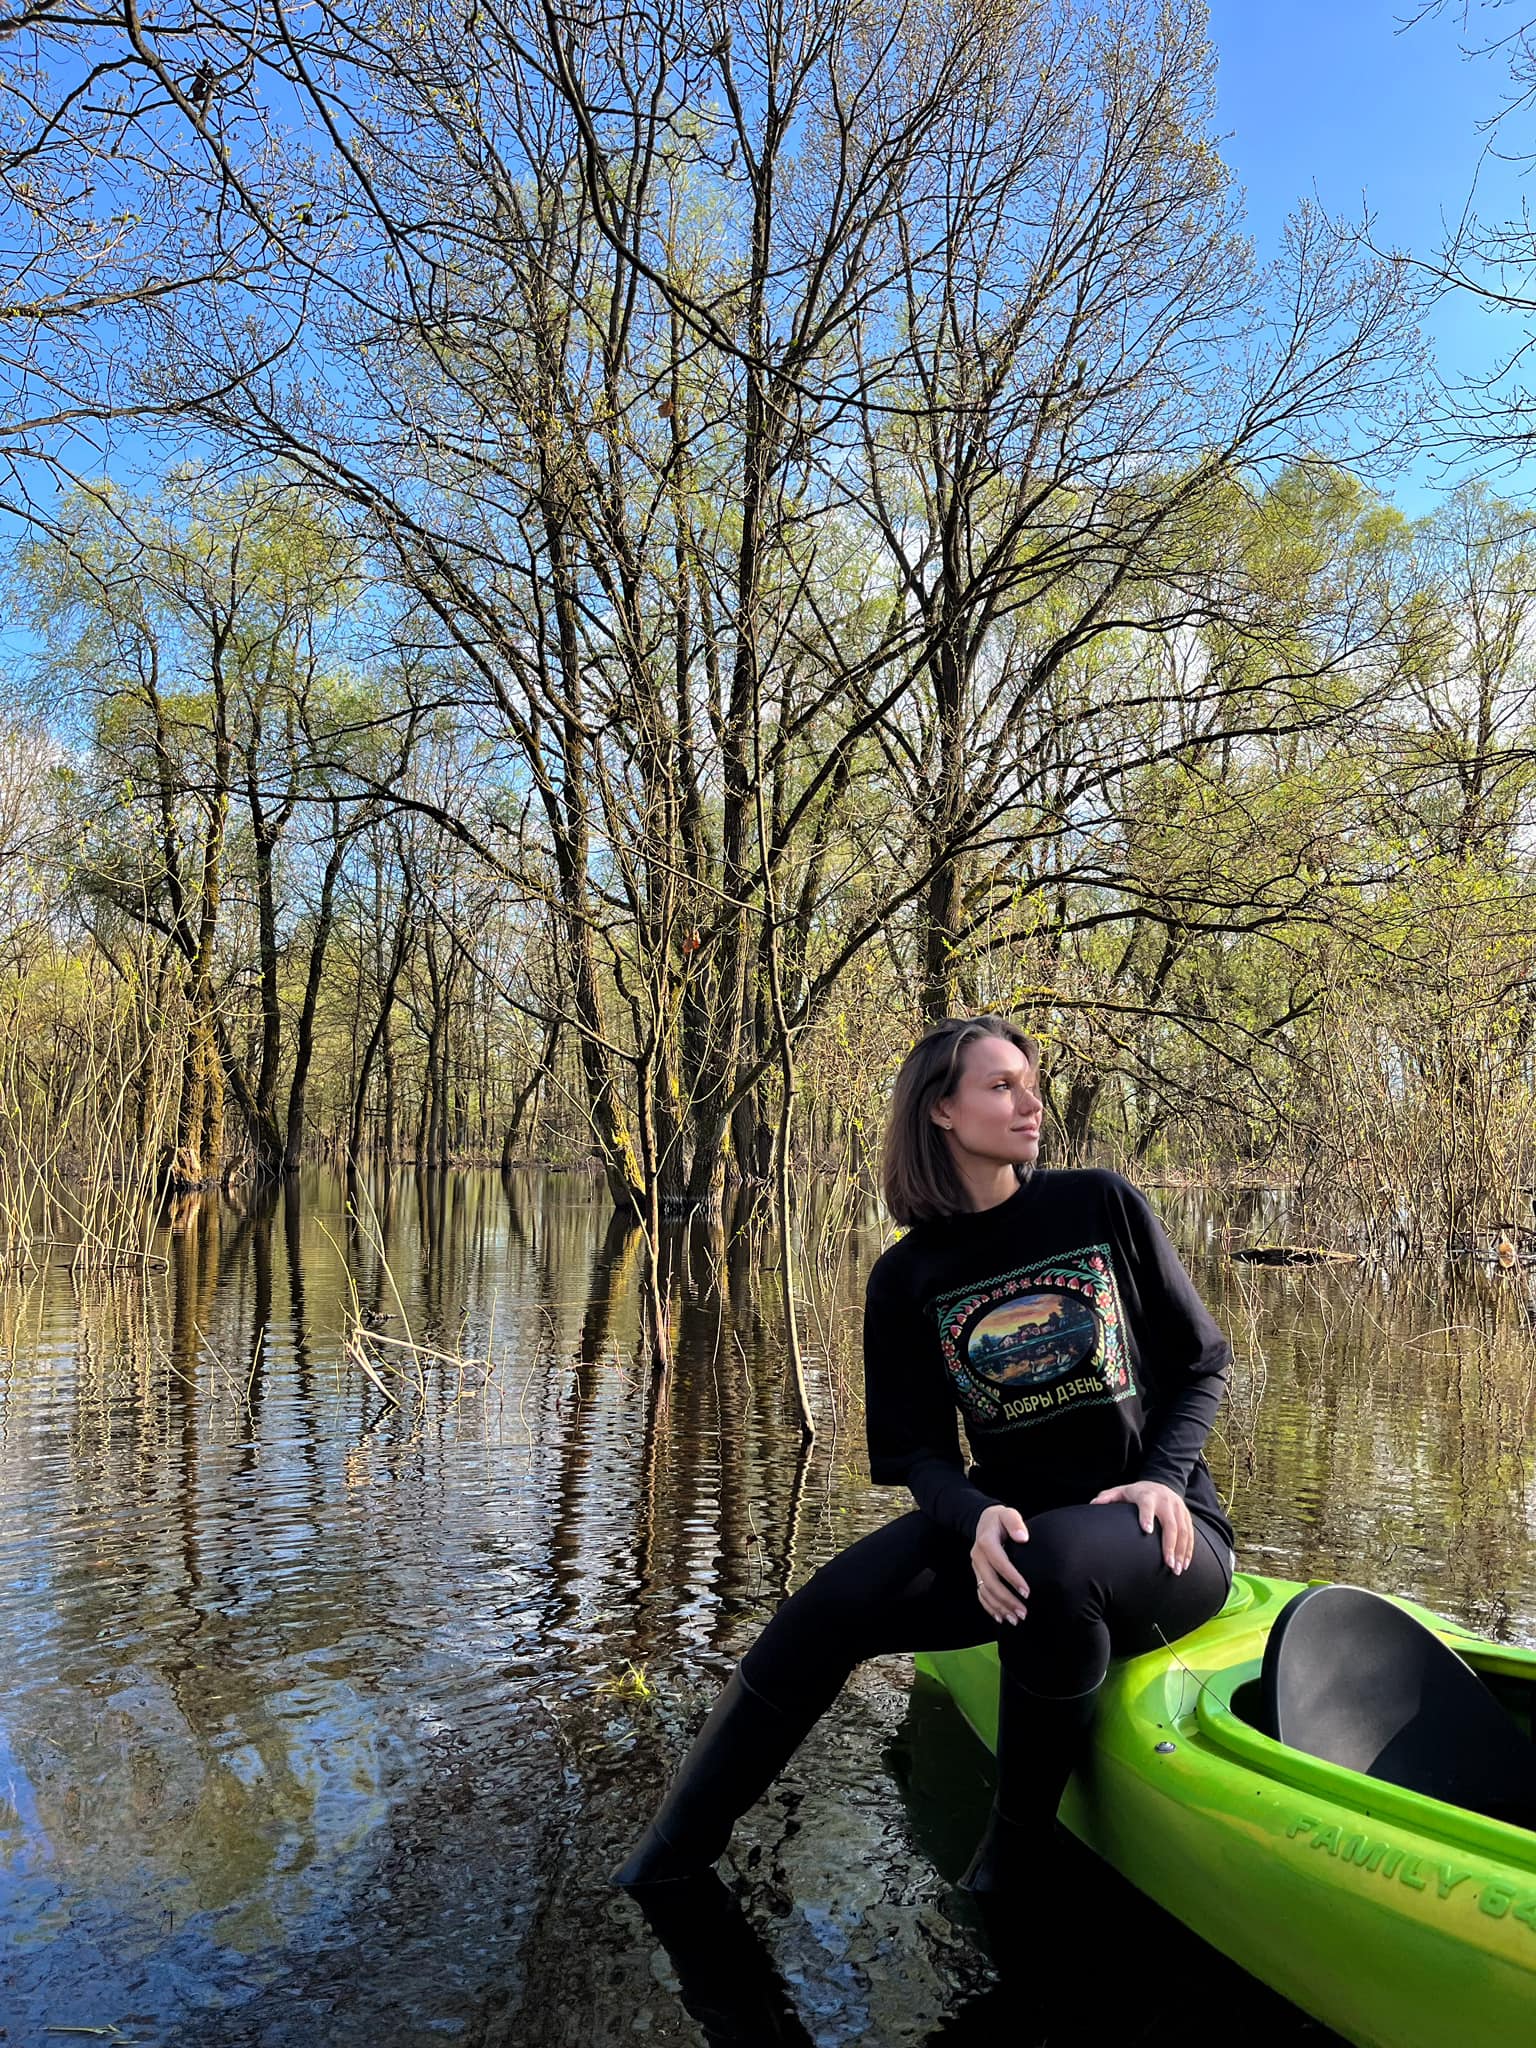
[(735, 1757), (1040, 1741)]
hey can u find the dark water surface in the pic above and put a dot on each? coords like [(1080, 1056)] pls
[(337, 1679)]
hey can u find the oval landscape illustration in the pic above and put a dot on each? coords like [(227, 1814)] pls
[(1032, 1338)]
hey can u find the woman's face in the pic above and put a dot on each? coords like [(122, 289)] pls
[(994, 1111)]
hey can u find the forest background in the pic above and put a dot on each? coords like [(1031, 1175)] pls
[(576, 573)]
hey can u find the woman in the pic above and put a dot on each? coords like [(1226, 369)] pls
[(1051, 1314)]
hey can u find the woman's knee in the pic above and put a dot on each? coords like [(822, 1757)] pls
[(1062, 1563), (804, 1653), (817, 1621), (836, 1619)]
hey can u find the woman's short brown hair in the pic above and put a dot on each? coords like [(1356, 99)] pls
[(918, 1176)]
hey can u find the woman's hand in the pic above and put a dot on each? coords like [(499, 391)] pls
[(998, 1586), (1157, 1503)]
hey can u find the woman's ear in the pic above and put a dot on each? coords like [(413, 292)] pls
[(939, 1114)]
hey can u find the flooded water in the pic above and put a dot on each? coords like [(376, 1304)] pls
[(339, 1673)]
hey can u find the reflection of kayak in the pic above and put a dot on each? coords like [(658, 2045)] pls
[(1400, 1919)]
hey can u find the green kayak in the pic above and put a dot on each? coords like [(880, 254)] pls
[(1398, 1919)]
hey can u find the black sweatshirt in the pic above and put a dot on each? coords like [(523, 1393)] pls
[(1063, 1328)]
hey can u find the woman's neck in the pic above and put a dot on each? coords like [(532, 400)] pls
[(989, 1187)]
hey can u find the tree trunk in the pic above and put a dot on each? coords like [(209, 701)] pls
[(378, 1037), (304, 1040), (198, 1157), (942, 995)]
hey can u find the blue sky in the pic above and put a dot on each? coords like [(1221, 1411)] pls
[(1333, 97)]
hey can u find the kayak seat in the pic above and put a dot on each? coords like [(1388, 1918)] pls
[(1352, 1679)]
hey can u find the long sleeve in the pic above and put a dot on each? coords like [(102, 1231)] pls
[(909, 1414), (1187, 1358)]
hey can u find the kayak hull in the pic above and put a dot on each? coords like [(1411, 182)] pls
[(1397, 1920)]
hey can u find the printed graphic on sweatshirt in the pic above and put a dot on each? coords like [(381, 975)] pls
[(1037, 1341)]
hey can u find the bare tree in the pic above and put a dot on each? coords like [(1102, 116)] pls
[(764, 419)]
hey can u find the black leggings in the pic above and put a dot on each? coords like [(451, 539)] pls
[(1098, 1587)]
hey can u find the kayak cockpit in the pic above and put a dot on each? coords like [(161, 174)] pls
[(1511, 1681), (1358, 1681), (1228, 1714)]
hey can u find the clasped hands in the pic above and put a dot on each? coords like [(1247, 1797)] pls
[(1002, 1590)]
